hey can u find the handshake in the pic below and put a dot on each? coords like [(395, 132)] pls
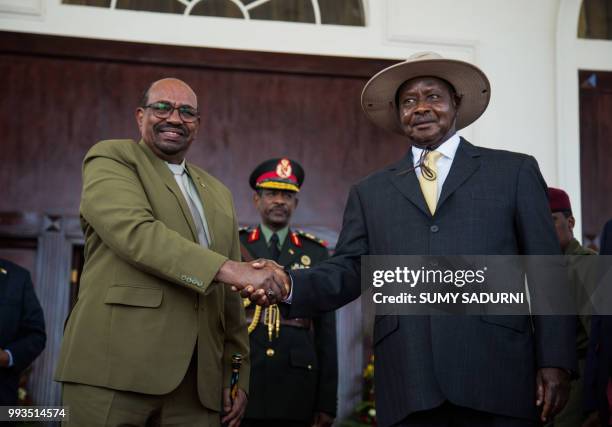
[(263, 281)]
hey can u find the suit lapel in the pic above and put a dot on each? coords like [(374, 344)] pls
[(465, 163), (209, 202), (405, 180), (166, 175)]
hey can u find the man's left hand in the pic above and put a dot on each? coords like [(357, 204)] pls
[(234, 411), (552, 391), (322, 419), (261, 295)]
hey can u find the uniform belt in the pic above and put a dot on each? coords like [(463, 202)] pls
[(296, 323)]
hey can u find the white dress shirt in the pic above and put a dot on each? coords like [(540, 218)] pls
[(448, 149), (183, 179)]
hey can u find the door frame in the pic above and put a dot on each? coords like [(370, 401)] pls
[(573, 54)]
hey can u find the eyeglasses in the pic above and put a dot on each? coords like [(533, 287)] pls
[(163, 110)]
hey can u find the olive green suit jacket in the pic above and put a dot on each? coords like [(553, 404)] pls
[(147, 294)]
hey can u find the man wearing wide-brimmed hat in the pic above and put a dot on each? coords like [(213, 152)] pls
[(447, 197)]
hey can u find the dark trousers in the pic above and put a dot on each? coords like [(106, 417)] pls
[(449, 415)]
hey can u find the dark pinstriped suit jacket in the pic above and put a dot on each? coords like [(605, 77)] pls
[(493, 202)]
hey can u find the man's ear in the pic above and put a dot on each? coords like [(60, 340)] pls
[(457, 100), (139, 118), (297, 202), (197, 127), (571, 222), (256, 199)]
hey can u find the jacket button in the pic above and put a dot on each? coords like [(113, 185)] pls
[(434, 228), (270, 352)]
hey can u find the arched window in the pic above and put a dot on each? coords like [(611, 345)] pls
[(595, 20), (335, 12)]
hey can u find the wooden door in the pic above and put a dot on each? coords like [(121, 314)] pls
[(595, 151)]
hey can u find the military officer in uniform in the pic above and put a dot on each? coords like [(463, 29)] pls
[(294, 372), (580, 271)]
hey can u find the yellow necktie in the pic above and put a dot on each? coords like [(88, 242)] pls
[(429, 184)]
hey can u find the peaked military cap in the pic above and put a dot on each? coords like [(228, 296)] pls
[(277, 174)]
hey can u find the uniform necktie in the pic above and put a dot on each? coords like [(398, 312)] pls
[(197, 218), (274, 251), (429, 184)]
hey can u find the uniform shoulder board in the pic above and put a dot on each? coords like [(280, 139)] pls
[(252, 232), (311, 237)]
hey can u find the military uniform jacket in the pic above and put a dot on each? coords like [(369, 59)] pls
[(301, 377), (581, 271), (147, 299)]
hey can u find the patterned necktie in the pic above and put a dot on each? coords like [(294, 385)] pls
[(197, 218), (273, 249), (429, 184)]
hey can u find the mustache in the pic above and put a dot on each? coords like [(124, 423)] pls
[(423, 119), (279, 208), (164, 127)]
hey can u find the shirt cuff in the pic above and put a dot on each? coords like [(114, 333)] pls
[(290, 296), (10, 355)]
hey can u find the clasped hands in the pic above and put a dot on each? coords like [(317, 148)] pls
[(263, 281)]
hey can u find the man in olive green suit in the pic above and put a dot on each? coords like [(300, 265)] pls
[(153, 331)]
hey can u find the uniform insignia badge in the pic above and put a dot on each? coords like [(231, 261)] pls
[(254, 235), (305, 260), (291, 251), (296, 240), (3, 271), (284, 169)]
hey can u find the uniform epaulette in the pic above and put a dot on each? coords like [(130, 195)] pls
[(312, 237), (253, 233)]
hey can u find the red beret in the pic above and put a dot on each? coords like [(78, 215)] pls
[(558, 200)]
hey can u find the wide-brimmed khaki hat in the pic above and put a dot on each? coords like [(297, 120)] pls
[(470, 83)]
